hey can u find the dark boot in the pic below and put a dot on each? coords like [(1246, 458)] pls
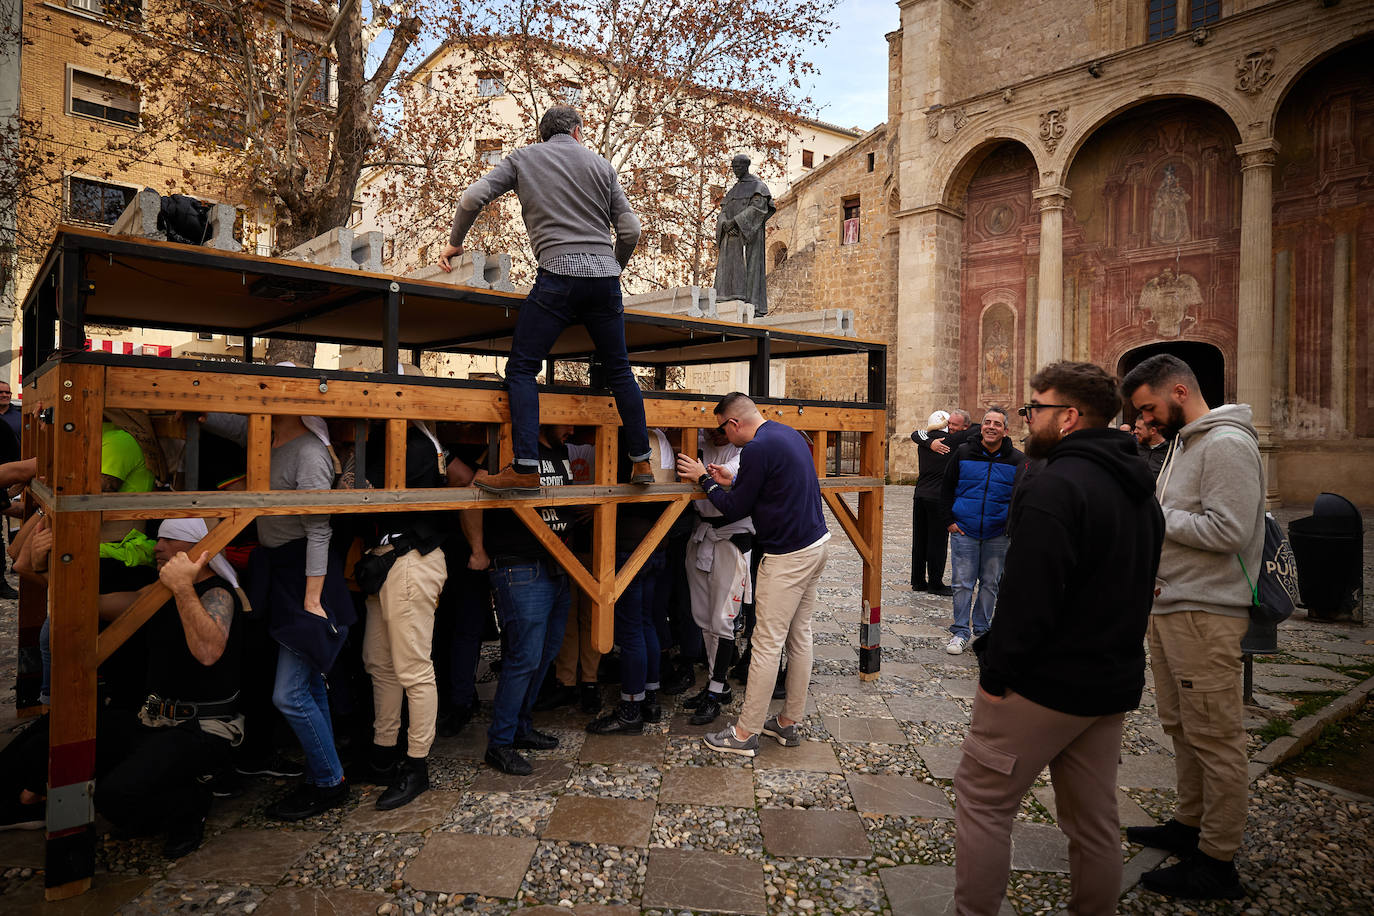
[(556, 698), (535, 740), (591, 698), (307, 801), (508, 760), (725, 698), (413, 779), (641, 473), (649, 708), (1198, 877), (381, 766), (677, 677), (626, 719), (187, 830), (1180, 839), (453, 721)]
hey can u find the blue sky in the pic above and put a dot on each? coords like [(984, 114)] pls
[(851, 89)]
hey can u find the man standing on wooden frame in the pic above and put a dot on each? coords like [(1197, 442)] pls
[(569, 197)]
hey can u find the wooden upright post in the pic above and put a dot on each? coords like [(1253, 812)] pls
[(603, 543), (872, 463), (74, 575)]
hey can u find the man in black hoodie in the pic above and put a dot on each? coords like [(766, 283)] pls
[(1060, 666)]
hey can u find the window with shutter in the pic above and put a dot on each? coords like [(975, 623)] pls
[(104, 98)]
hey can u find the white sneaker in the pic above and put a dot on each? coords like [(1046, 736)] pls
[(957, 645)]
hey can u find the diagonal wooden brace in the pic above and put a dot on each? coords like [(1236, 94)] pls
[(849, 522)]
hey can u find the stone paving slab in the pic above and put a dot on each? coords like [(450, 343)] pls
[(1038, 847), (924, 890), (814, 832), (107, 895), (704, 882), (310, 901), (900, 795), (456, 863), (712, 786), (548, 776), (21, 849), (864, 729), (927, 709), (811, 756), (962, 688), (584, 910), (626, 749), (843, 653), (614, 821), (1283, 684), (469, 744), (1131, 814), (425, 812), (941, 761), (917, 630), (1309, 672), (246, 856), (1146, 771)]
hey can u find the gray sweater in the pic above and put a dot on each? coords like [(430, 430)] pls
[(301, 464), (1212, 492), (569, 197)]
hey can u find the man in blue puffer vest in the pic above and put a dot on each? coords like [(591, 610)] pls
[(975, 497)]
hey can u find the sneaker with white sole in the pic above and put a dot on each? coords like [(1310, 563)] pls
[(726, 742), (787, 737), (957, 645)]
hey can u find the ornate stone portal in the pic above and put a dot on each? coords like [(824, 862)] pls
[(1166, 299)]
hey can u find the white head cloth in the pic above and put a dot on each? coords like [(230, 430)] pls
[(315, 424), (192, 530), (424, 426), (938, 420)]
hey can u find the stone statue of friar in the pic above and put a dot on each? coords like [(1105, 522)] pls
[(741, 264)]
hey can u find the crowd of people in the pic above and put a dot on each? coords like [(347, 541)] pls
[(359, 637), (1166, 515)]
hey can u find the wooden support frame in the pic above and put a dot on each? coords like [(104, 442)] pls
[(66, 397)]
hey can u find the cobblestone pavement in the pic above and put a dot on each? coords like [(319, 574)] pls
[(856, 820)]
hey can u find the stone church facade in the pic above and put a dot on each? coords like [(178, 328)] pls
[(1104, 181)]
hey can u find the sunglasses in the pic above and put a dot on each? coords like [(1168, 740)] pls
[(1027, 409)]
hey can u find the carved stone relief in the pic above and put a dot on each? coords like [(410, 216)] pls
[(1053, 123), (1166, 299), (1255, 70), (943, 123)]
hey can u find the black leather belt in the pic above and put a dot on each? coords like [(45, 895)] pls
[(183, 711)]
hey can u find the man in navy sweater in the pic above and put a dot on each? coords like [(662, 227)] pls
[(776, 485)]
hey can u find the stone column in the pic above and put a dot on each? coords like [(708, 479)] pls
[(1283, 311), (1049, 311), (1255, 321), (925, 360), (1340, 335)]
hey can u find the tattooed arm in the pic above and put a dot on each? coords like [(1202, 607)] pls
[(205, 618)]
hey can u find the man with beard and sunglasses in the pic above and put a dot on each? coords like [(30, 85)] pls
[(1211, 489), (1060, 667)]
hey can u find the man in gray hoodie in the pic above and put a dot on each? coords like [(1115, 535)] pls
[(1211, 489), (570, 199)]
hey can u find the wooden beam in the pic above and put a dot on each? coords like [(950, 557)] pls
[(849, 523), (156, 595), (872, 462), (819, 443), (556, 548), (260, 452), (396, 454), (635, 561), (603, 542)]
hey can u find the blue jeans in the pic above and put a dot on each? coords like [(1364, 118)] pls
[(555, 302), (975, 562), (301, 696), (636, 630), (532, 600)]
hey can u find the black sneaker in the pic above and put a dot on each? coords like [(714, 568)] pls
[(535, 740), (725, 698), (308, 800), (944, 591), (649, 708), (1197, 877), (626, 719), (677, 679), (412, 781), (1180, 839), (919, 586), (274, 765), (556, 698), (507, 759), (590, 694), (187, 831), (707, 711), (452, 722)]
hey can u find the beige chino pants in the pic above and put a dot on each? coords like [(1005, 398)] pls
[(1196, 660), (784, 597), (396, 650)]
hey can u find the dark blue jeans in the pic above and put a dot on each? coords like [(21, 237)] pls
[(555, 302), (636, 629), (532, 601)]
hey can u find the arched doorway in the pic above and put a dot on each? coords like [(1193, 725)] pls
[(1205, 360)]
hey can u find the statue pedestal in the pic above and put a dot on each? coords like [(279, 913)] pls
[(736, 310), (692, 301)]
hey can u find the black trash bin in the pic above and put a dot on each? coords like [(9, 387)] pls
[(1329, 548)]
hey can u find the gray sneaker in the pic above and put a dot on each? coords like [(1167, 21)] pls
[(726, 742), (787, 737)]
